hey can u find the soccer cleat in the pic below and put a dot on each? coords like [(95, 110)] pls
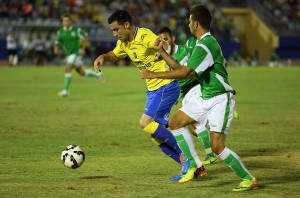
[(201, 171), (185, 164), (101, 78), (192, 173), (188, 176), (63, 93), (247, 184), (176, 178), (209, 159)]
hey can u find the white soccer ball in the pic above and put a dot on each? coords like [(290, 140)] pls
[(72, 156)]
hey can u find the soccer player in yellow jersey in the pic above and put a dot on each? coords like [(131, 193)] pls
[(138, 44)]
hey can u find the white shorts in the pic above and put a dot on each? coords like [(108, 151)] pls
[(219, 112), (75, 60), (215, 113), (192, 106)]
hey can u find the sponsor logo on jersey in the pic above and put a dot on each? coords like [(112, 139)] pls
[(140, 65)]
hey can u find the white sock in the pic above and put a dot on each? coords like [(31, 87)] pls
[(90, 73)]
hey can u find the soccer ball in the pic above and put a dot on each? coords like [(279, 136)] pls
[(72, 156)]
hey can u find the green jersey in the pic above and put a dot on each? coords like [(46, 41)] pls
[(208, 62), (70, 39), (182, 53)]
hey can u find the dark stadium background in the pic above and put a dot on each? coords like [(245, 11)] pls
[(42, 18)]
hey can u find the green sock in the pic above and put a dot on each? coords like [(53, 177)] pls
[(186, 144), (68, 78), (234, 163), (203, 136)]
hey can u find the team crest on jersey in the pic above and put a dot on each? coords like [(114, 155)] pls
[(143, 36), (73, 33)]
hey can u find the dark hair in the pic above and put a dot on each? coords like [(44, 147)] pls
[(165, 30), (121, 16), (66, 16), (202, 15)]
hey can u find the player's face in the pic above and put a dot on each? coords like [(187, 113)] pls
[(192, 25), (66, 21), (166, 37), (169, 41), (120, 31)]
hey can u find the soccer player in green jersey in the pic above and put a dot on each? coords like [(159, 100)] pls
[(217, 107), (138, 44), (73, 42), (181, 53)]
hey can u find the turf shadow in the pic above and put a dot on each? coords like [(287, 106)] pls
[(96, 177), (261, 152)]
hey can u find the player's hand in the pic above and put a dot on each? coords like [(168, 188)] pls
[(158, 44), (82, 52), (55, 50), (157, 57), (146, 74), (97, 63)]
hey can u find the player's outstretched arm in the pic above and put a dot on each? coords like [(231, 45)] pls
[(84, 45), (55, 49), (109, 56), (182, 72), (179, 71)]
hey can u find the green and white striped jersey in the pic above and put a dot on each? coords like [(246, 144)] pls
[(182, 54), (208, 62), (70, 39)]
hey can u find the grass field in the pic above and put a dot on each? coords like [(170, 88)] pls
[(121, 161)]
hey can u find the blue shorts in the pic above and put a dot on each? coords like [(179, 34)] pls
[(160, 102)]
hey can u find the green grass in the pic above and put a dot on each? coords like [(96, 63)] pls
[(121, 161)]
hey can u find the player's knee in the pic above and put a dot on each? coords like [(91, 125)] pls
[(81, 72), (143, 123)]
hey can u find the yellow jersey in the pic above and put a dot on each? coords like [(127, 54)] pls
[(142, 52)]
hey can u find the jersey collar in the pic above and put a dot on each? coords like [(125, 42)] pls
[(68, 28), (204, 35), (136, 31), (176, 48)]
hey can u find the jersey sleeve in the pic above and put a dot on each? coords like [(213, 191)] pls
[(58, 40), (81, 34), (200, 59), (118, 51)]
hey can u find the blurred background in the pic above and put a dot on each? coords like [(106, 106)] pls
[(250, 32)]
